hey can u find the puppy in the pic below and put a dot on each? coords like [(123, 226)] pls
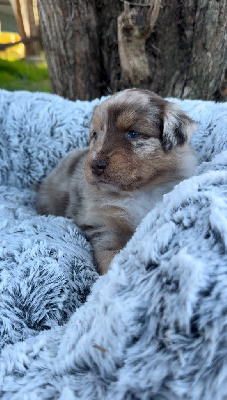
[(138, 151)]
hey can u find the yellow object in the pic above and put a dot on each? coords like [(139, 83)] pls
[(11, 53)]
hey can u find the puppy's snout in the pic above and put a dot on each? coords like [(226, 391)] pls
[(98, 167)]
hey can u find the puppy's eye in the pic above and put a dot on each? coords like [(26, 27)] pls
[(94, 135), (133, 134)]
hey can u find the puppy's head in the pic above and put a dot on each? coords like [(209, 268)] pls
[(133, 139)]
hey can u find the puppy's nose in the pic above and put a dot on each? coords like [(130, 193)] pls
[(98, 166)]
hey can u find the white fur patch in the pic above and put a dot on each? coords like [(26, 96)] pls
[(145, 146)]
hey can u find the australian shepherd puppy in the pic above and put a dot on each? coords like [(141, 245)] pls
[(139, 150)]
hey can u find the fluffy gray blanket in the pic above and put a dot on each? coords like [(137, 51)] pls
[(154, 327)]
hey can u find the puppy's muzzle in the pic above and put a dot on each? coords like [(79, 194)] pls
[(98, 167)]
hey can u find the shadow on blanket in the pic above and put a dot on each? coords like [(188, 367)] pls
[(154, 327)]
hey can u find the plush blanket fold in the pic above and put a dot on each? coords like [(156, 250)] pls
[(155, 326)]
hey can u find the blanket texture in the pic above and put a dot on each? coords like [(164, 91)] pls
[(155, 326)]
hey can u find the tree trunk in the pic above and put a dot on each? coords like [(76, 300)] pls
[(188, 56), (19, 19), (71, 44), (134, 28), (27, 27), (33, 48), (105, 46)]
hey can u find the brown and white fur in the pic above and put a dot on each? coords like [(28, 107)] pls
[(138, 151)]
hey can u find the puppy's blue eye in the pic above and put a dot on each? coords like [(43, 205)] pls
[(133, 134)]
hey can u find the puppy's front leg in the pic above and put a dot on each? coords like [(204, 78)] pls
[(107, 243), (103, 259)]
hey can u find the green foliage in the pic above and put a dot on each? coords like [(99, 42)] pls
[(24, 75)]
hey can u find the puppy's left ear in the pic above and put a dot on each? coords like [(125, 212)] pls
[(178, 127)]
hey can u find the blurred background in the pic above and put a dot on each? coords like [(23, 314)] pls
[(82, 49), (22, 66)]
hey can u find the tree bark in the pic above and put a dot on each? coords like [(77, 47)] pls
[(71, 44), (134, 28), (187, 49), (32, 48), (183, 55), (19, 19), (188, 56), (27, 27)]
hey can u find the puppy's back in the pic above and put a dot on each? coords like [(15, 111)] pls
[(53, 193)]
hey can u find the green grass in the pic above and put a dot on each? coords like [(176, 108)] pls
[(24, 75)]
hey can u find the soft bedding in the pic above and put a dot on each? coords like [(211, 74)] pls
[(154, 327)]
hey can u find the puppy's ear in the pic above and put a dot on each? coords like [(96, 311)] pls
[(178, 128)]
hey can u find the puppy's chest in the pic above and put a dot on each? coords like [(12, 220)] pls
[(137, 204), (122, 211)]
